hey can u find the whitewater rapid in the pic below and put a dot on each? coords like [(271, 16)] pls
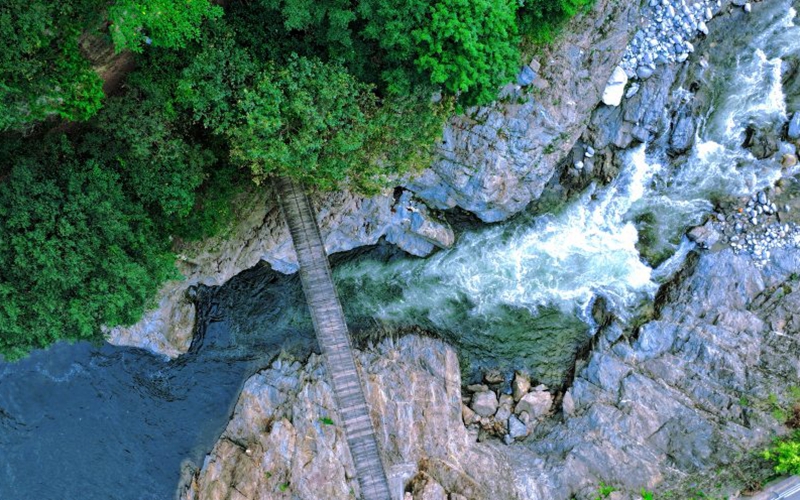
[(498, 279)]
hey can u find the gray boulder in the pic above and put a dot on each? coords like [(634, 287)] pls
[(615, 88), (655, 338), (536, 403), (794, 126), (705, 236), (682, 134), (526, 76), (644, 72), (484, 403), (762, 141), (516, 429)]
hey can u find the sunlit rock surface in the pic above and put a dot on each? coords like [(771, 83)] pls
[(285, 440)]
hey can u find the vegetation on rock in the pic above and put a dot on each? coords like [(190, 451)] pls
[(785, 454), (540, 19)]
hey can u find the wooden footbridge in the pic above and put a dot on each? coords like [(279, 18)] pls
[(333, 338)]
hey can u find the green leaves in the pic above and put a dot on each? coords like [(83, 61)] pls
[(539, 19), (41, 68), (160, 23), (211, 84), (466, 47), (161, 167), (76, 252), (86, 224), (307, 120), (314, 122), (785, 454)]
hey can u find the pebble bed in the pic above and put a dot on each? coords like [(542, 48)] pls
[(758, 228), (668, 28)]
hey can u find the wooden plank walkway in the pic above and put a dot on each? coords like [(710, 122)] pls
[(334, 339)]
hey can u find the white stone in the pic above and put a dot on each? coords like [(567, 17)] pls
[(615, 88), (568, 404)]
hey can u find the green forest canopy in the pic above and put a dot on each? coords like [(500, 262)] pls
[(327, 91)]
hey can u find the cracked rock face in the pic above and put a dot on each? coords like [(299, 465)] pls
[(285, 440), (690, 392), (498, 159)]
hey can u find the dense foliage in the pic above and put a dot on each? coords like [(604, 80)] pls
[(466, 47), (76, 251), (42, 71), (540, 19), (331, 92), (160, 23), (785, 454), (87, 222), (305, 119)]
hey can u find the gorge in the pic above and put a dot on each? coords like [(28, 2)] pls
[(666, 355)]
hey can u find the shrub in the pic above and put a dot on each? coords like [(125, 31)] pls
[(785, 454), (540, 19), (604, 491)]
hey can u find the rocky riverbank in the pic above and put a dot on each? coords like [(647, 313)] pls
[(493, 161), (695, 389), (685, 396), (285, 440), (712, 377)]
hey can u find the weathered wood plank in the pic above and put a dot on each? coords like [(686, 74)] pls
[(334, 339)]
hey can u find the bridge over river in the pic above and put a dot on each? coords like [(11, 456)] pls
[(334, 339)]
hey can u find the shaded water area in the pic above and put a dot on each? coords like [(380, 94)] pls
[(102, 422), (113, 423)]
